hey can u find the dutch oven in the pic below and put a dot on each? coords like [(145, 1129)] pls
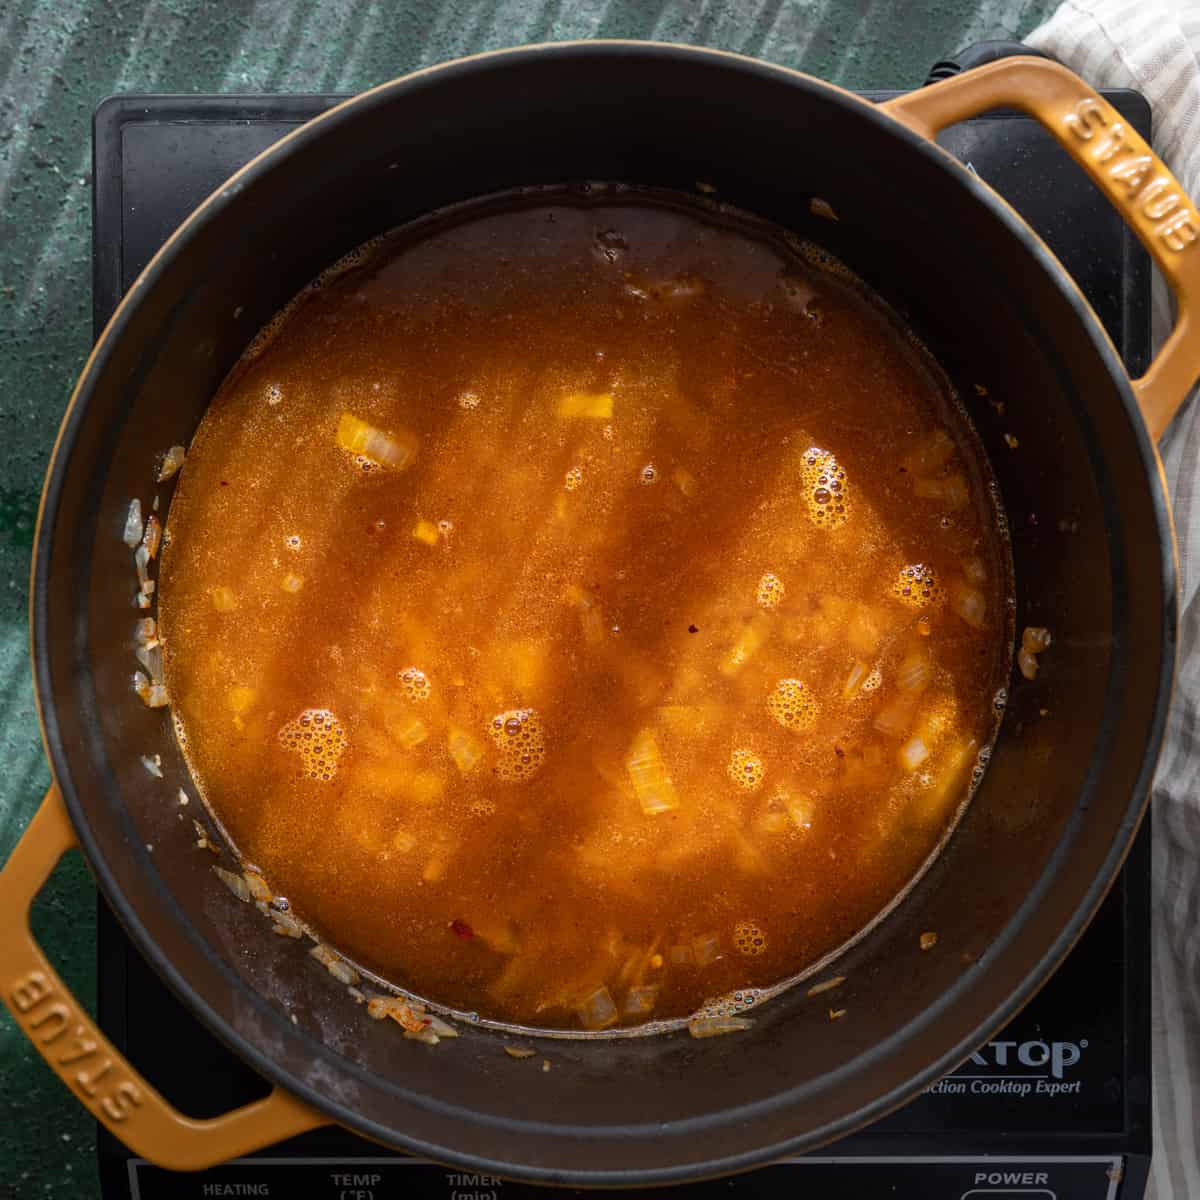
[(1068, 780)]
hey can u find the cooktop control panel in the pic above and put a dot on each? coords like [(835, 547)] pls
[(911, 1178)]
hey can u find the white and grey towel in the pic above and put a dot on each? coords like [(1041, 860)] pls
[(1154, 46)]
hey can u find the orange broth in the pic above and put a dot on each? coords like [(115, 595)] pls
[(583, 606)]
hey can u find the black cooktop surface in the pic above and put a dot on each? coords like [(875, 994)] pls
[(1057, 1107)]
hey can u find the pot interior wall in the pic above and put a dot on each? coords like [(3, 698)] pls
[(1043, 834)]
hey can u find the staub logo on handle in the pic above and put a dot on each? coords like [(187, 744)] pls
[(1125, 160), (51, 1019)]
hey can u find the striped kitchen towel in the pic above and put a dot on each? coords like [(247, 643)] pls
[(1154, 46)]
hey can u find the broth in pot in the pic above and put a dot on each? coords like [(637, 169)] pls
[(586, 605)]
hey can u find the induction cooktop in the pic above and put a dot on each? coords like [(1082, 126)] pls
[(1056, 1107)]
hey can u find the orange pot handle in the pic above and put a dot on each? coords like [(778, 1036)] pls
[(86, 1061), (1125, 169)]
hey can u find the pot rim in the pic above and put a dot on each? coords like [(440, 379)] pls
[(266, 1065)]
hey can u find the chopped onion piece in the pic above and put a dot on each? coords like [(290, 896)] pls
[(465, 750), (772, 821), (141, 560), (519, 1051), (146, 633), (410, 732), (424, 1034), (286, 926), (913, 753), (931, 454), (202, 840), (152, 695), (153, 766), (343, 972), (133, 524), (258, 886), (970, 605), (152, 538), (595, 405), (143, 600), (651, 783), (706, 1027), (427, 532), (914, 672), (235, 883), (411, 1017), (320, 952), (591, 616), (1035, 639), (440, 1027), (640, 1000), (597, 1011), (151, 659), (938, 721), (224, 599), (952, 492), (975, 571), (749, 642), (798, 807), (170, 464), (930, 804), (826, 985), (859, 671), (929, 939), (359, 438)]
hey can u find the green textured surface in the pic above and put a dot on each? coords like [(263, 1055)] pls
[(58, 58)]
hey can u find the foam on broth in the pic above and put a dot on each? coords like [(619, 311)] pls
[(581, 606)]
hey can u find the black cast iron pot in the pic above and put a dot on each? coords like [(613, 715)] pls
[(1041, 841)]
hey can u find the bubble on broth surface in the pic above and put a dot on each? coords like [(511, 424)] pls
[(793, 705), (749, 939), (770, 591), (746, 769), (826, 491), (317, 736), (519, 737), (414, 683), (918, 586)]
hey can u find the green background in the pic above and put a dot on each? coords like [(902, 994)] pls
[(58, 58)]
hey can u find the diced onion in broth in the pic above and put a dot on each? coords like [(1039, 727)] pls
[(395, 452)]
